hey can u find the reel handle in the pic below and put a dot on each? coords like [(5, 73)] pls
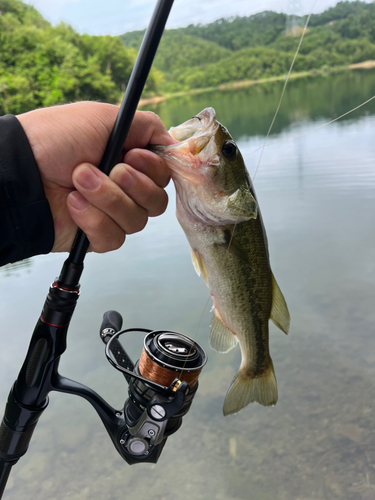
[(111, 324), (112, 320)]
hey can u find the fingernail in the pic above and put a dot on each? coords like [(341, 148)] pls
[(78, 201), (126, 180), (88, 179)]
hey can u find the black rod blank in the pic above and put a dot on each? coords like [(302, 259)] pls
[(127, 110), (5, 468)]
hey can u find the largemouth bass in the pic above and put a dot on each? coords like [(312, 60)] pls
[(218, 211)]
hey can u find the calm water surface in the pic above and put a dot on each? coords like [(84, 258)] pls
[(316, 188)]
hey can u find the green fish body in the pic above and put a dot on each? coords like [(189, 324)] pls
[(219, 213)]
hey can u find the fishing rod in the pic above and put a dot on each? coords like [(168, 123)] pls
[(161, 385)]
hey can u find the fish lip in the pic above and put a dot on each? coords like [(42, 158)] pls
[(184, 162), (207, 116), (206, 124)]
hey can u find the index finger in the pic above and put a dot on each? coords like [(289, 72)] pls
[(147, 128)]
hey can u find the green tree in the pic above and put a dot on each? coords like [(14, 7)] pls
[(41, 65)]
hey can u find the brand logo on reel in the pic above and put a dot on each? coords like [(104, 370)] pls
[(176, 349)]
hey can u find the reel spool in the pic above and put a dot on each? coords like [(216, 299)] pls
[(162, 386), (166, 355)]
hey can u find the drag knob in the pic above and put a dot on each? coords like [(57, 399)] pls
[(137, 446)]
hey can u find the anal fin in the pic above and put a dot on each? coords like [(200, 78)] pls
[(221, 339)]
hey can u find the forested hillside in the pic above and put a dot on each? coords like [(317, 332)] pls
[(258, 46), (41, 65), (240, 32)]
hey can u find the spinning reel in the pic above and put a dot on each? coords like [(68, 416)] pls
[(162, 385)]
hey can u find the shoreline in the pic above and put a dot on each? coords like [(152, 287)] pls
[(248, 83)]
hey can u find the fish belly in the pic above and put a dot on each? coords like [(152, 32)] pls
[(242, 296)]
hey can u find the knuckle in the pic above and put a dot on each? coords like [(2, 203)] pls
[(165, 180), (115, 200), (164, 203), (154, 120), (107, 240), (152, 117), (149, 195), (138, 223), (143, 222), (117, 240), (96, 226), (161, 205)]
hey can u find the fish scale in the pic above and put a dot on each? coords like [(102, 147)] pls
[(219, 213)]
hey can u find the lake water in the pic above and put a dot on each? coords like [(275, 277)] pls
[(316, 189)]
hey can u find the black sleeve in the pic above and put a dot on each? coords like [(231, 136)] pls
[(26, 224)]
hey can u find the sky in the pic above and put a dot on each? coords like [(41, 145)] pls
[(114, 17)]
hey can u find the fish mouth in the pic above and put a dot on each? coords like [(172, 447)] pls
[(195, 149), (201, 124)]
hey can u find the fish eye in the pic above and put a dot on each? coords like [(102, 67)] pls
[(229, 149)]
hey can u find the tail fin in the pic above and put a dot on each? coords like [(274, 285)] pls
[(245, 390)]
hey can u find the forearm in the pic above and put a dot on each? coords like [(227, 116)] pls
[(26, 225)]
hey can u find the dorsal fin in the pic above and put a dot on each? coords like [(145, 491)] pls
[(279, 310)]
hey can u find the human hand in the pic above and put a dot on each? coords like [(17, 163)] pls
[(68, 142)]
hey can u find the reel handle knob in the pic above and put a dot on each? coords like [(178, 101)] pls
[(112, 323)]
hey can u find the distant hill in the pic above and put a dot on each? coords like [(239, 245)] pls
[(236, 33), (258, 46), (232, 33), (179, 50), (177, 53), (42, 65)]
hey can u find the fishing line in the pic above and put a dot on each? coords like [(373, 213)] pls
[(195, 338), (313, 129), (277, 109), (275, 143), (269, 130), (283, 91)]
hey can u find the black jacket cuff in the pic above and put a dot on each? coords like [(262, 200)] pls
[(26, 224)]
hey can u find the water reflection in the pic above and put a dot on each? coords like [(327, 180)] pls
[(249, 112), (15, 270), (317, 195)]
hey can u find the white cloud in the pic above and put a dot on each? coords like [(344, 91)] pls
[(117, 16)]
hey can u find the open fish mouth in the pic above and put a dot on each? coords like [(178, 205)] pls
[(196, 147), (201, 124)]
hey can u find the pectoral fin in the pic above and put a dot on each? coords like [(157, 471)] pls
[(221, 339), (279, 311), (234, 247), (198, 264)]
